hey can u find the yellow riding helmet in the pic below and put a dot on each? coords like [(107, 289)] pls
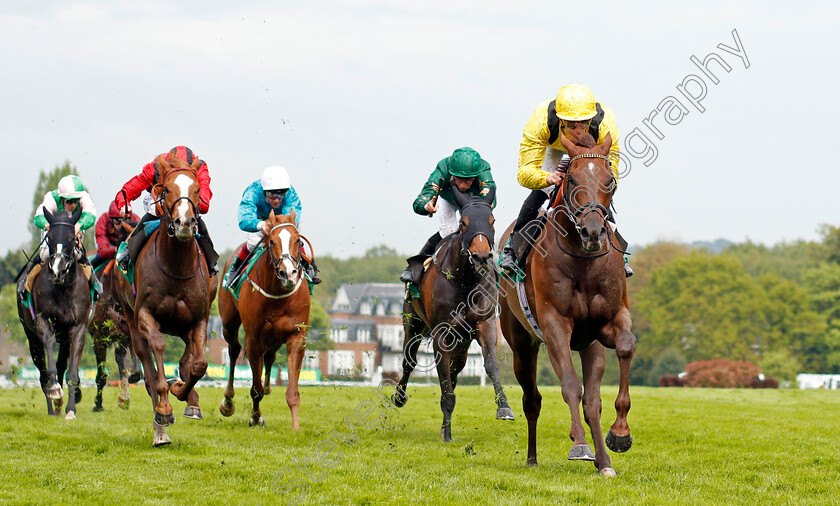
[(575, 102)]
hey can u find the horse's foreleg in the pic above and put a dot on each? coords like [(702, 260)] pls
[(36, 351), (447, 393), (120, 355), (619, 438), (593, 363), (557, 332), (296, 348), (269, 358), (46, 336), (231, 334), (411, 343), (148, 327), (255, 357), (74, 389), (100, 350), (525, 368), (193, 368), (487, 338)]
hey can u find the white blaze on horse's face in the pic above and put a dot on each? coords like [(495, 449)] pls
[(184, 182), (59, 248), (285, 243)]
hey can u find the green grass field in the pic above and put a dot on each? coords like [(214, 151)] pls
[(691, 446)]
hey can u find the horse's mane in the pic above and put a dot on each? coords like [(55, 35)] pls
[(586, 140)]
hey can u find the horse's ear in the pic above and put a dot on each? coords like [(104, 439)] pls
[(47, 214), (271, 215), (460, 200), (77, 213), (490, 196), (569, 145), (196, 164), (163, 165), (605, 146), (292, 214)]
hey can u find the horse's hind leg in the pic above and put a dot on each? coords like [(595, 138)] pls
[(269, 358), (592, 363), (295, 347), (525, 368), (231, 335), (411, 343), (487, 338), (255, 357), (100, 350), (121, 357)]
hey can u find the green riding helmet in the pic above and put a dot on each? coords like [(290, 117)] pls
[(465, 162)]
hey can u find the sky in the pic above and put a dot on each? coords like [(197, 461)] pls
[(360, 99)]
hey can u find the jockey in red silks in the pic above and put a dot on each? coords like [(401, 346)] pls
[(110, 233), (144, 181)]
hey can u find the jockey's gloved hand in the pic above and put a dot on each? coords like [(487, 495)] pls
[(563, 165)]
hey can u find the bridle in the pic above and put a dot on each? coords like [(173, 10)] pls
[(170, 224), (577, 213), (277, 261)]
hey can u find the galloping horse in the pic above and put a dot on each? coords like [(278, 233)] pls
[(579, 295), (457, 304), (274, 310), (58, 310), (108, 326), (173, 294)]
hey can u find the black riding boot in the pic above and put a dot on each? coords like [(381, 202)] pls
[(427, 250), (311, 271), (235, 272), (21, 285), (206, 245), (93, 282), (528, 212)]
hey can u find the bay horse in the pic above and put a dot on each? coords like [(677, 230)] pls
[(59, 308), (108, 326), (173, 295), (273, 308), (578, 292), (457, 305)]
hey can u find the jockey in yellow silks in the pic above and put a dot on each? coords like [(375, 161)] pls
[(543, 160)]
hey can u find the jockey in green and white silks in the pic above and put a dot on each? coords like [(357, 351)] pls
[(69, 194), (471, 174)]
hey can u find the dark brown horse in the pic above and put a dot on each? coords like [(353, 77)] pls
[(273, 307), (108, 326), (457, 305), (578, 292), (57, 314), (173, 295)]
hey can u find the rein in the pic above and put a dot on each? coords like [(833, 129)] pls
[(170, 226), (275, 264)]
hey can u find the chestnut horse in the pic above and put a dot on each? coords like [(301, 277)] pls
[(578, 292), (57, 313), (108, 326), (457, 305), (273, 307), (173, 295)]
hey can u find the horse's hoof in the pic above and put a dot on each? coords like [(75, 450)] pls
[(581, 452), (55, 393), (193, 412), (607, 472), (135, 377), (123, 403), (399, 399), (226, 408), (71, 415), (161, 437), (504, 414), (618, 444), (252, 422), (98, 409), (531, 463), (164, 420)]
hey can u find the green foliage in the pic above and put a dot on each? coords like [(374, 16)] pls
[(380, 264), (9, 322), (670, 361), (822, 352), (787, 260), (781, 365), (10, 265), (708, 307)]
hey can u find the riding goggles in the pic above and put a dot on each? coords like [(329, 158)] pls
[(275, 194), (571, 125)]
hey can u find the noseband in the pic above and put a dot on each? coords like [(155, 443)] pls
[(170, 224)]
